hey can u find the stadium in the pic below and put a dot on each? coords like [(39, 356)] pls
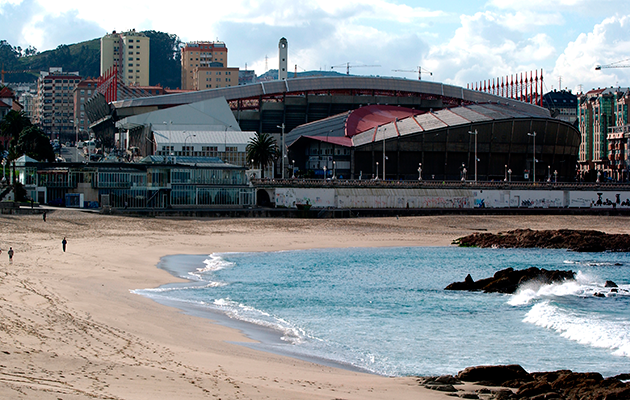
[(364, 127)]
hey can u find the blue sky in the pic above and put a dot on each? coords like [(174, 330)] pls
[(458, 41)]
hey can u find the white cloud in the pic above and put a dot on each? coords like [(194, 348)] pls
[(609, 42), (485, 47)]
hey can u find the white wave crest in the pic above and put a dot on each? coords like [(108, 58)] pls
[(235, 310), (584, 285), (585, 329), (212, 264), (177, 288)]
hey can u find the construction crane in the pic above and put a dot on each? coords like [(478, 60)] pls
[(2, 72), (614, 65), (348, 66), (419, 71)]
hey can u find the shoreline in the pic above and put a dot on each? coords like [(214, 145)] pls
[(267, 339), (71, 328)]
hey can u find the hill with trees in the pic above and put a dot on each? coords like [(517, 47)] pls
[(85, 57)]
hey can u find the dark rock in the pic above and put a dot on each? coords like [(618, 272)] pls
[(622, 377), (495, 374), (508, 280), (598, 294), (441, 387), (576, 240), (608, 284), (504, 395), (467, 395), (534, 388)]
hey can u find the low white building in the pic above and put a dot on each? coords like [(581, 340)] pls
[(228, 145)]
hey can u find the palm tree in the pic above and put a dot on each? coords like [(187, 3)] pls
[(262, 150)]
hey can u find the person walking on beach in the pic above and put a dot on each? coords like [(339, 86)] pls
[(63, 244), (10, 252), (44, 216)]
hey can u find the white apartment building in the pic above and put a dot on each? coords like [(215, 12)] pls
[(129, 51)]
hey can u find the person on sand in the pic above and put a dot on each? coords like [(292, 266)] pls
[(63, 244), (44, 216), (10, 252)]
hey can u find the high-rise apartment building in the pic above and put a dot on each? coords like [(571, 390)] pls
[(85, 90), (204, 66), (603, 120), (54, 103), (129, 52)]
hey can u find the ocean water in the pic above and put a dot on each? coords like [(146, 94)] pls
[(384, 310)]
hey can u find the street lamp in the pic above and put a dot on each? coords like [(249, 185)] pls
[(334, 170), (548, 173), (325, 172), (185, 139), (4, 178), (168, 151), (505, 179), (510, 174), (419, 171), (376, 170), (293, 169), (534, 155), (282, 141), (475, 133)]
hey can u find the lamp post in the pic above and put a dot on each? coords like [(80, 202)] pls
[(534, 155), (168, 151), (325, 172), (4, 178), (475, 133), (293, 169), (334, 176), (282, 141), (384, 157), (419, 171), (185, 139), (548, 173), (376, 170), (510, 175), (505, 179), (555, 176)]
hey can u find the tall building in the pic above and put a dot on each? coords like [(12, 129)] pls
[(283, 53), (603, 122), (54, 103), (129, 52), (204, 66), (84, 91)]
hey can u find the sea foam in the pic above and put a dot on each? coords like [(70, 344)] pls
[(586, 328)]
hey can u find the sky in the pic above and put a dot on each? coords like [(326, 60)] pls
[(455, 42)]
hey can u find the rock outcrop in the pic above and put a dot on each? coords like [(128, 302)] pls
[(576, 240), (508, 280), (562, 384)]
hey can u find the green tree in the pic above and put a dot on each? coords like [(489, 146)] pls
[(13, 124), (35, 143), (262, 150), (164, 59)]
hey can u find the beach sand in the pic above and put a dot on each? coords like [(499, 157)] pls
[(71, 329)]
